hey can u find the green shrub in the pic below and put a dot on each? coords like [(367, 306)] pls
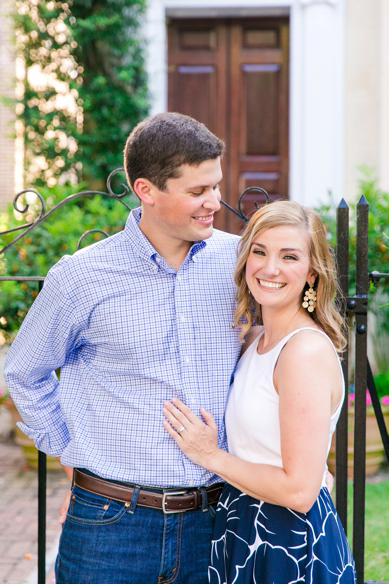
[(378, 253), (91, 89), (381, 381), (40, 249)]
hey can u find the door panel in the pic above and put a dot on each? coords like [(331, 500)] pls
[(259, 92), (196, 87), (233, 76), (197, 79)]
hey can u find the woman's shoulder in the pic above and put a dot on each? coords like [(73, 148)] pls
[(309, 360), (311, 347)]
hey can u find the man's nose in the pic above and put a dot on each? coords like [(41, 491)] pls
[(212, 202)]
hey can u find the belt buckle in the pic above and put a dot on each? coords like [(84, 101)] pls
[(164, 502)]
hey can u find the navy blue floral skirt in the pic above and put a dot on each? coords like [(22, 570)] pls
[(260, 543)]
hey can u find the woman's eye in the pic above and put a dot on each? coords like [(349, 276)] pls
[(259, 252), (290, 257)]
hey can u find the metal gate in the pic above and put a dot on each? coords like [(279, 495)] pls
[(356, 305)]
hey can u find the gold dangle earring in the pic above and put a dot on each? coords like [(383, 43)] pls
[(310, 299)]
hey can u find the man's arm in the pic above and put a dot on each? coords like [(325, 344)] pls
[(49, 332)]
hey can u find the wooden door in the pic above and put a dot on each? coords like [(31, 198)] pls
[(233, 75)]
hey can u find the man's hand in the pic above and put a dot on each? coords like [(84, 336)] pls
[(64, 507), (65, 503)]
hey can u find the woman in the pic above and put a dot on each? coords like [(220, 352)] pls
[(275, 520)]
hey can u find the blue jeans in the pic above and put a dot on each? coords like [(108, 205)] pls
[(105, 542)]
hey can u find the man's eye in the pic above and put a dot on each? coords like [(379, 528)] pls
[(197, 194)]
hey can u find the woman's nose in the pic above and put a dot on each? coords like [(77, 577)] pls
[(271, 267)]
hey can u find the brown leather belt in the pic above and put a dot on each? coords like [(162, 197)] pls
[(167, 501)]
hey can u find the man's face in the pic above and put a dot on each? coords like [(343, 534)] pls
[(185, 210)]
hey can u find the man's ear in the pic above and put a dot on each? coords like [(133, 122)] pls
[(145, 190)]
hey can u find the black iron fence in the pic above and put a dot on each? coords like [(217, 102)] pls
[(356, 305)]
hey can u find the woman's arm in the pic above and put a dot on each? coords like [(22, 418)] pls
[(306, 371)]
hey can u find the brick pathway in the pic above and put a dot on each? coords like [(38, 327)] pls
[(18, 517)]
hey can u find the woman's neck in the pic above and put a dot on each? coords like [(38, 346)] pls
[(278, 323)]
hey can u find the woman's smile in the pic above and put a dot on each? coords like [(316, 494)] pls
[(271, 285)]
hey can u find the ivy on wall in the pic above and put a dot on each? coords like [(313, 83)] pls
[(81, 85)]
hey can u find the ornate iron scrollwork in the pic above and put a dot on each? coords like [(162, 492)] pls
[(240, 213), (43, 214)]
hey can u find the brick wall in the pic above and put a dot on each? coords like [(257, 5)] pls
[(7, 74)]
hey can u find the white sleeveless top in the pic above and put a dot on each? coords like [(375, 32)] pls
[(252, 413)]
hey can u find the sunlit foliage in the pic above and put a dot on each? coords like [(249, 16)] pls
[(81, 85)]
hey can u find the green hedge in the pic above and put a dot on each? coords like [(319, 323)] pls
[(40, 249), (91, 54), (378, 255)]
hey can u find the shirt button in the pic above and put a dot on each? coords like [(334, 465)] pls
[(187, 360), (178, 277), (191, 483), (155, 268), (183, 319), (158, 259)]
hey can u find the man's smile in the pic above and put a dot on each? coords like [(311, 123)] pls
[(204, 218)]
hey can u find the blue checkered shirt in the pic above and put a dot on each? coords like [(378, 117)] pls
[(128, 332)]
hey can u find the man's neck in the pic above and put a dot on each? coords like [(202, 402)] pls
[(173, 251)]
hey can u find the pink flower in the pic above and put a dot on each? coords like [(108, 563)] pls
[(351, 399)]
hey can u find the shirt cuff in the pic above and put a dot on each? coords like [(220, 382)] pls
[(52, 442)]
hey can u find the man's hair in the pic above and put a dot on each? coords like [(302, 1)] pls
[(158, 146)]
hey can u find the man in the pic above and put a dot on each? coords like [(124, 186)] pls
[(132, 321)]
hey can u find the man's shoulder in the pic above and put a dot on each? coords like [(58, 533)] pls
[(223, 245), (220, 252), (114, 244), (97, 254), (221, 238)]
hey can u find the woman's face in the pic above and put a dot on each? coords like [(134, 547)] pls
[(278, 266)]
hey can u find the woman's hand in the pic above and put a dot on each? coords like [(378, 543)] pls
[(196, 439)]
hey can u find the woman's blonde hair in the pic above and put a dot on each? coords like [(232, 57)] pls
[(248, 311)]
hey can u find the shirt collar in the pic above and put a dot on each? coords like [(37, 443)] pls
[(142, 245)]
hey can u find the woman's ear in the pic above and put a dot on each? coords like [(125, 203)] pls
[(312, 279), (144, 189)]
